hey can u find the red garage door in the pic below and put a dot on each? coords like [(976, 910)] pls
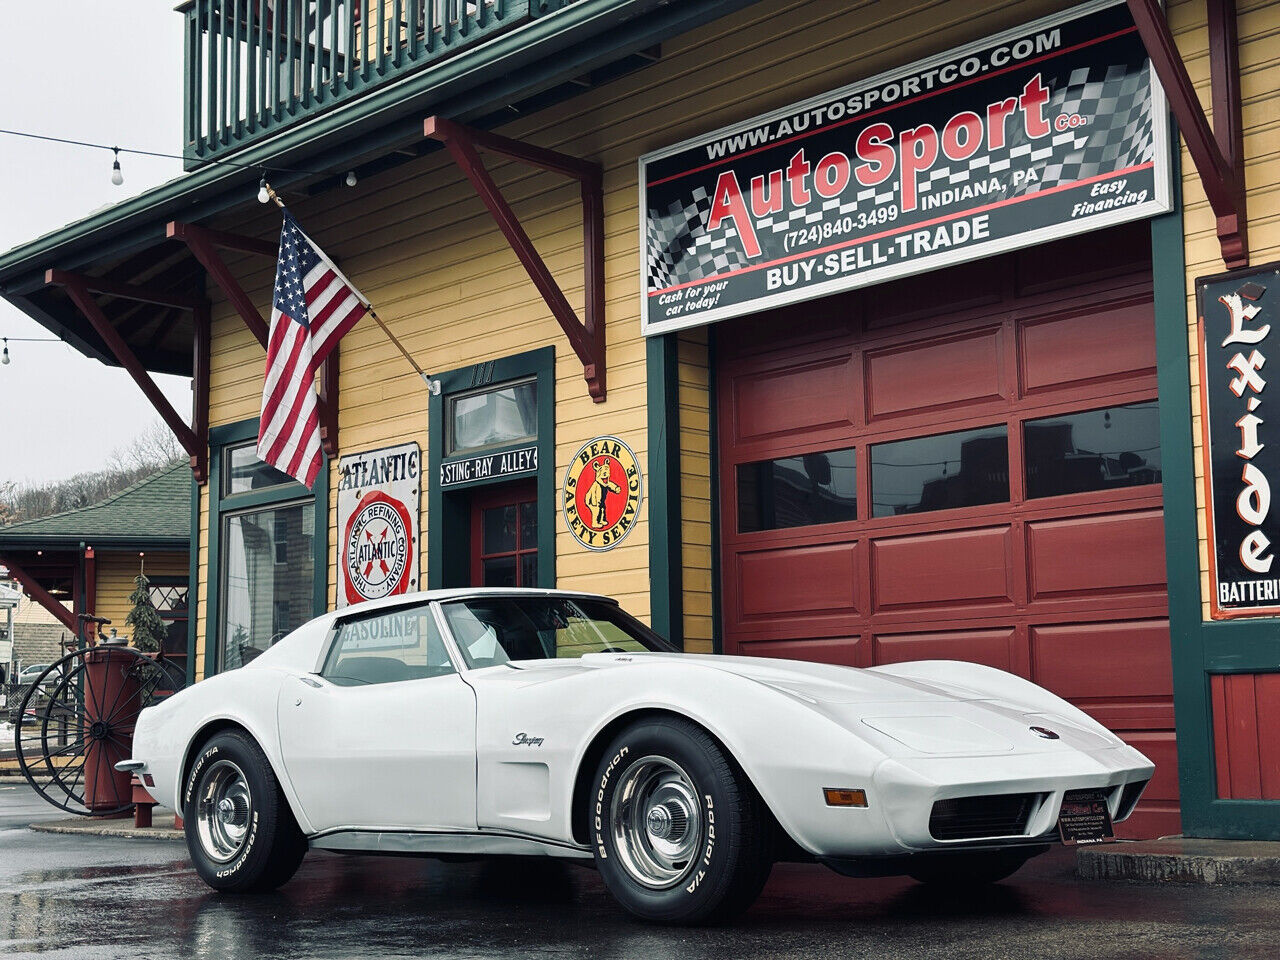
[(963, 465)]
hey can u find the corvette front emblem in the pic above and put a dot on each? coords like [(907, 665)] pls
[(1044, 732)]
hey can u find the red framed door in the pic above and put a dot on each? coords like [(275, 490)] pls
[(504, 536)]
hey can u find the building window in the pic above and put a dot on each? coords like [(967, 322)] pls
[(505, 536), (963, 469), (495, 417), (169, 595), (1093, 450), (268, 550), (267, 575), (243, 472), (797, 491)]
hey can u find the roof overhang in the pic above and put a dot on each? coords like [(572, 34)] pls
[(539, 63)]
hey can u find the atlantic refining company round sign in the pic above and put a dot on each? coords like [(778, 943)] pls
[(603, 489), (376, 546), (378, 503)]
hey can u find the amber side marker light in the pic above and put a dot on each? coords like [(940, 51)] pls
[(840, 797)]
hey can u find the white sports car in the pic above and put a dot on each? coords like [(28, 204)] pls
[(473, 722)]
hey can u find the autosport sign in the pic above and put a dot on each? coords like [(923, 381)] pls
[(1239, 333), (1049, 130), (379, 499)]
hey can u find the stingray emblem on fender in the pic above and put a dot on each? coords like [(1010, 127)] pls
[(524, 740), (1044, 732)]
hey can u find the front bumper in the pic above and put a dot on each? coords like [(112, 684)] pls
[(902, 793)]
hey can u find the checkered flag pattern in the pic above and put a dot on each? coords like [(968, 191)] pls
[(1115, 98), (681, 250)]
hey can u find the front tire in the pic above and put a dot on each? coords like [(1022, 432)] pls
[(241, 834), (679, 833)]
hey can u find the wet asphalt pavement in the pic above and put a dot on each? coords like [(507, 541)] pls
[(89, 897)]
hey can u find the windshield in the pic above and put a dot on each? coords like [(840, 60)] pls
[(494, 630)]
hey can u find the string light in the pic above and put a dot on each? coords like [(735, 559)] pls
[(117, 176), (4, 357), (263, 195)]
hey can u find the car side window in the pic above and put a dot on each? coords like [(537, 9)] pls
[(386, 647)]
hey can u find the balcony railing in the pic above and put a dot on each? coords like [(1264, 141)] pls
[(257, 66)]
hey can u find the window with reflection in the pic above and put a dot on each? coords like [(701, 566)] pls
[(492, 418), (1093, 450), (399, 644), (268, 578), (962, 469), (243, 471), (798, 491)]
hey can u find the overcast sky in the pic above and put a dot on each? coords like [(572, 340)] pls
[(108, 72)]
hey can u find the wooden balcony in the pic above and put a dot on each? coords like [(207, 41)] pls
[(255, 67)]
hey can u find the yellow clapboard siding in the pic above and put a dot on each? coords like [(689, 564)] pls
[(1258, 27), (116, 571)]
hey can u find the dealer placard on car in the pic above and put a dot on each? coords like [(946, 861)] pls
[(1049, 130)]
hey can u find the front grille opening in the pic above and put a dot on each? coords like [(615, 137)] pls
[(1129, 798), (976, 818)]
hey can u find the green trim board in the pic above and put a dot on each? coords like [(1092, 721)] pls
[(666, 560), (1199, 648), (219, 505), (193, 583), (448, 508)]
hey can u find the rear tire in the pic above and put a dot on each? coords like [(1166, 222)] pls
[(680, 835), (962, 870), (241, 834)]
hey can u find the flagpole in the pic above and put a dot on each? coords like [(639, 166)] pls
[(432, 388)]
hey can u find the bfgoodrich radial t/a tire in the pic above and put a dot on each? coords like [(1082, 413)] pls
[(680, 835), (240, 831)]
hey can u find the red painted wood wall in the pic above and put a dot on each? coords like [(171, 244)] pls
[(1246, 735)]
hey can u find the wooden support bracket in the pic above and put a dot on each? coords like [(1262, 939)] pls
[(1215, 150), (39, 594), (586, 337), (204, 245), (80, 289)]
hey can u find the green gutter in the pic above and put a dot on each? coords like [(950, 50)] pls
[(538, 42)]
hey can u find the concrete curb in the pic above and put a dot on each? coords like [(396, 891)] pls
[(123, 829), (1182, 860)]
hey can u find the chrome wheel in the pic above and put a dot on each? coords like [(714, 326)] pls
[(656, 821), (224, 810)]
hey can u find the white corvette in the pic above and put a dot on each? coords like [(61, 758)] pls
[(473, 722)]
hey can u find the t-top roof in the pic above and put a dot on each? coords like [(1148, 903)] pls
[(156, 508)]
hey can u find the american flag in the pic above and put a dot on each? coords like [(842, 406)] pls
[(314, 305)]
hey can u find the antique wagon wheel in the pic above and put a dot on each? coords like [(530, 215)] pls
[(76, 723)]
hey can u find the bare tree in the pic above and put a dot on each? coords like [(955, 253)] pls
[(153, 449)]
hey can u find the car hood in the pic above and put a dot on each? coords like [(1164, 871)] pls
[(901, 715), (819, 682)]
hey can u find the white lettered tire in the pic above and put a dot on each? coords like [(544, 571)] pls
[(240, 832), (679, 833)]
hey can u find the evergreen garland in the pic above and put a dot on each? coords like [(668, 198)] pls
[(148, 628)]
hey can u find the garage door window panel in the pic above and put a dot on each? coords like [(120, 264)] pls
[(803, 490), (946, 471), (1094, 450)]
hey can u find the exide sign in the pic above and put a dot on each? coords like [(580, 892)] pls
[(1239, 332), (1049, 130)]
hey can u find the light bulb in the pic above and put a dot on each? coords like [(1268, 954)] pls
[(263, 196), (116, 176), (4, 358), (351, 178)]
